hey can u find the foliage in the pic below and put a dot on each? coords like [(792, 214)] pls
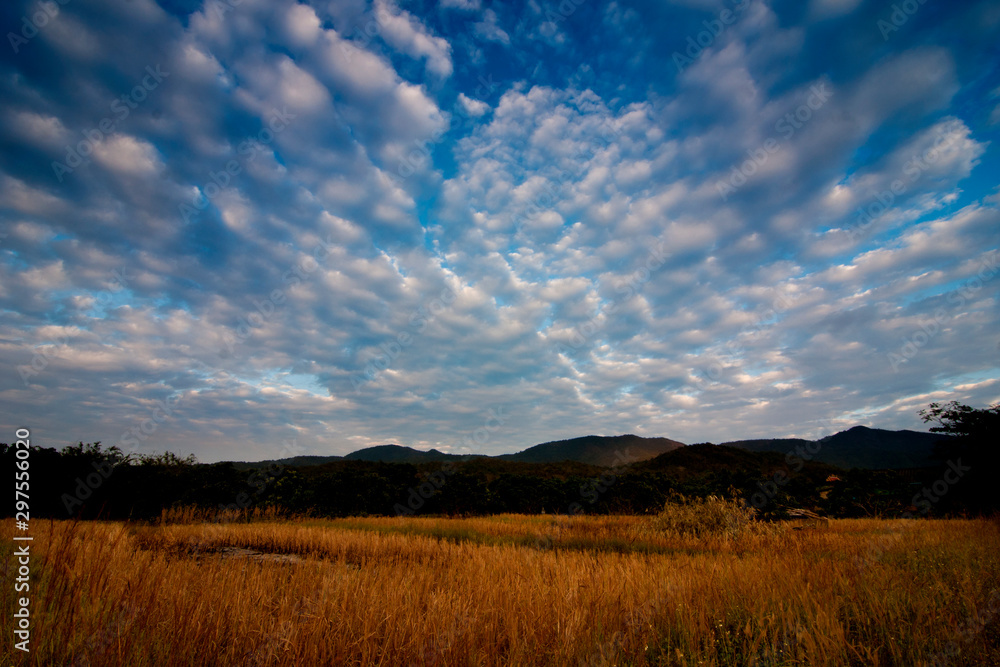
[(713, 515), (975, 433), (92, 451), (955, 418), (166, 459)]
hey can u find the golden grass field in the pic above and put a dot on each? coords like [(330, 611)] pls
[(508, 590)]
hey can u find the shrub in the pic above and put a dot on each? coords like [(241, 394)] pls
[(713, 515)]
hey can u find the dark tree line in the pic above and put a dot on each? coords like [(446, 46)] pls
[(89, 481)]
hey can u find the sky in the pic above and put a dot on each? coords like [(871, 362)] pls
[(258, 228)]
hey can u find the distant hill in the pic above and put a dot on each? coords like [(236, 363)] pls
[(399, 454), (293, 462), (720, 462), (596, 450), (715, 457), (593, 450), (858, 447), (383, 453)]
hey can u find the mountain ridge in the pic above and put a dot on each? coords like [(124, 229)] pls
[(599, 450), (856, 447)]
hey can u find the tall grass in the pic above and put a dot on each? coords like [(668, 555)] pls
[(432, 591)]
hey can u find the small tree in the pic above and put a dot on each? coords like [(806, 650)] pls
[(963, 421), (167, 459), (699, 517), (93, 451), (973, 444)]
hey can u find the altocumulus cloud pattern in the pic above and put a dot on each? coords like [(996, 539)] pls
[(234, 223)]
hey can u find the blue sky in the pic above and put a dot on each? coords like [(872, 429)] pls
[(259, 228)]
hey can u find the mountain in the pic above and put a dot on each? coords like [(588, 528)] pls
[(596, 450), (720, 466), (292, 462), (782, 445), (398, 454), (863, 447), (858, 447), (714, 457), (384, 453)]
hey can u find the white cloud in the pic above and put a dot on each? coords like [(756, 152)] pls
[(489, 28), (464, 5), (302, 25), (128, 155), (473, 108), (405, 33), (825, 9)]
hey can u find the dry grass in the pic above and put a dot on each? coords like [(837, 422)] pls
[(509, 590)]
